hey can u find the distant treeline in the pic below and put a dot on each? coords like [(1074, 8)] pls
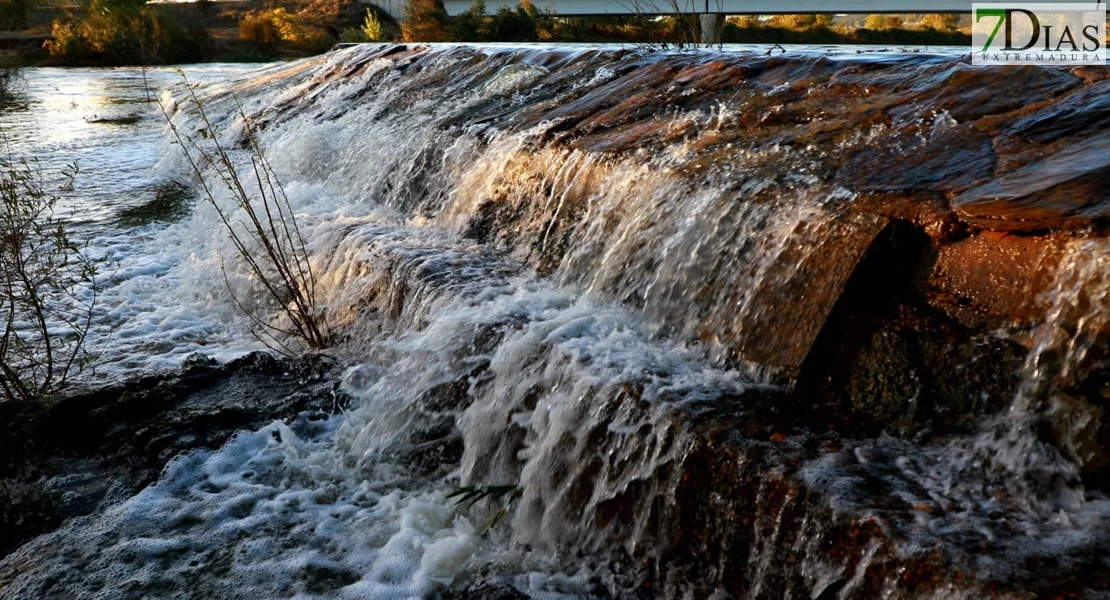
[(428, 21), (132, 32)]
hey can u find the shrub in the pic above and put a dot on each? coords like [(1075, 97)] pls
[(294, 32), (941, 22), (352, 35), (514, 24), (471, 25), (128, 33), (506, 25), (322, 12), (49, 289), (66, 42), (371, 30), (259, 30), (747, 21), (268, 29), (796, 22)]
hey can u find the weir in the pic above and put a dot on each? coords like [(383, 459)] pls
[(821, 326)]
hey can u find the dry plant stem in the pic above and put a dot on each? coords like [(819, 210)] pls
[(46, 320), (281, 262)]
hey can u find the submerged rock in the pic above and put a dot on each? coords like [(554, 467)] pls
[(955, 157), (77, 454)]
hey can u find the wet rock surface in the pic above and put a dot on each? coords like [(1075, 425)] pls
[(1064, 189), (1082, 112), (75, 455), (954, 158), (948, 195)]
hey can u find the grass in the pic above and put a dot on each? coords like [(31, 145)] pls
[(469, 495)]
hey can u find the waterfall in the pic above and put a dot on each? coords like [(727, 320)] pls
[(614, 282)]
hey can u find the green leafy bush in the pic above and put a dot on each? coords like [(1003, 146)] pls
[(520, 24), (470, 26)]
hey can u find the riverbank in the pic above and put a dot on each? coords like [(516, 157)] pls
[(175, 33)]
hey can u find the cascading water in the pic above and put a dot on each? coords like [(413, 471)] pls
[(1019, 478), (581, 274)]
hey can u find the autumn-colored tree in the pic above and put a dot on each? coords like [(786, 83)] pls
[(425, 21), (941, 22), (747, 21), (875, 22), (796, 22)]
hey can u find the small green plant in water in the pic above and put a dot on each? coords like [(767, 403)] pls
[(503, 495), (171, 202)]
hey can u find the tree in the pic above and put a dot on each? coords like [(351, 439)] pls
[(941, 21), (471, 26), (747, 21), (13, 13), (797, 22), (514, 24), (425, 21), (875, 22)]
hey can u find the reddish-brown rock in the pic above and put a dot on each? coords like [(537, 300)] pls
[(1064, 190)]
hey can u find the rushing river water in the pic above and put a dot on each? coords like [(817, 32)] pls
[(106, 122), (603, 325)]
